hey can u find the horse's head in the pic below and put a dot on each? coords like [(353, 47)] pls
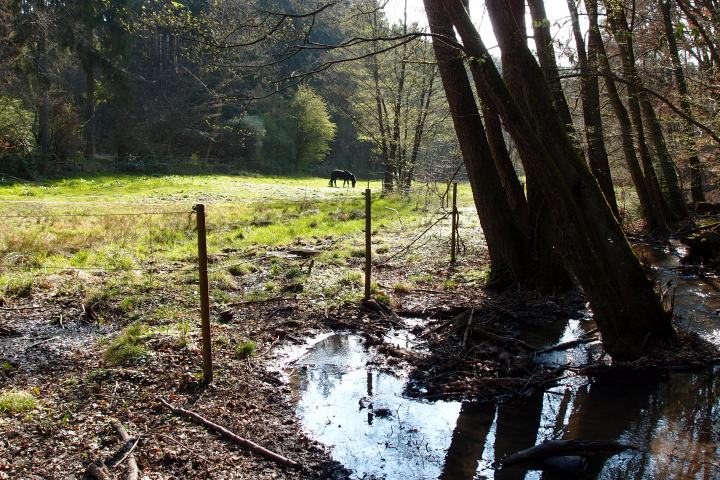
[(353, 179)]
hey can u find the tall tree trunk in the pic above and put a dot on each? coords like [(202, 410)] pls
[(89, 130), (590, 94), (620, 31), (505, 239), (696, 174), (628, 312), (549, 273), (546, 55), (43, 86), (640, 105), (652, 212), (503, 163), (677, 209)]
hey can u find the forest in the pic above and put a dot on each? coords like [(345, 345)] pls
[(515, 276)]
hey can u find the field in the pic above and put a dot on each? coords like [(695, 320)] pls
[(100, 310)]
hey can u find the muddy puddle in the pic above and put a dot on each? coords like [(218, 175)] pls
[(349, 403)]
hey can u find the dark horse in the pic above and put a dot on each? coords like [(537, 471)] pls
[(343, 175)]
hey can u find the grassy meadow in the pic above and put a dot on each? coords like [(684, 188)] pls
[(127, 244)]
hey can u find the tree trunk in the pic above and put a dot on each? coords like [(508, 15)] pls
[(503, 163), (505, 240), (546, 55), (673, 194), (624, 42), (44, 94), (696, 173), (89, 130), (627, 310), (654, 217), (590, 94), (549, 273)]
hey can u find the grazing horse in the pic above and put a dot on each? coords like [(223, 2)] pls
[(343, 175)]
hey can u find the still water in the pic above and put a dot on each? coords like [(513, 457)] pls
[(372, 428)]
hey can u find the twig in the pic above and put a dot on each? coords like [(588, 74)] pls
[(18, 309), (45, 340), (222, 431), (407, 247), (568, 344), (467, 329)]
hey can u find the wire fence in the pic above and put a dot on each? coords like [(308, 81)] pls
[(107, 240)]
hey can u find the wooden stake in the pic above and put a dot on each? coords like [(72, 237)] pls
[(204, 293), (368, 237), (453, 237)]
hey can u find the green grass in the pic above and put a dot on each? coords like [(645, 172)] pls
[(16, 401), (143, 267), (127, 347), (245, 349)]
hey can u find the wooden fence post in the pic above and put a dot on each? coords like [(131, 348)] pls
[(453, 236), (368, 237), (204, 294)]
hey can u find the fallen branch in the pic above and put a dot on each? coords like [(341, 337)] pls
[(568, 344), (498, 338), (554, 448), (224, 432), (133, 470)]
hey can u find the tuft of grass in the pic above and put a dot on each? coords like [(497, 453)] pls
[(17, 285), (127, 347), (351, 279), (16, 401), (245, 349), (241, 269), (402, 287)]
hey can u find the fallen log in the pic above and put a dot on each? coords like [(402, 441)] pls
[(225, 433), (133, 470), (559, 448)]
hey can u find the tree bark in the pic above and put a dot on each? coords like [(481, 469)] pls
[(505, 240), (627, 310), (696, 171), (590, 94)]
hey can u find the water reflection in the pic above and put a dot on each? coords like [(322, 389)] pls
[(375, 431)]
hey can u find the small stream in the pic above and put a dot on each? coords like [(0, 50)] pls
[(348, 403)]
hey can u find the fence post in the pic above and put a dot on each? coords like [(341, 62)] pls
[(204, 293), (453, 236), (368, 236)]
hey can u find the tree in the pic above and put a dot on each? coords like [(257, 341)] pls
[(314, 131), (627, 310), (590, 94), (505, 238), (696, 175)]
